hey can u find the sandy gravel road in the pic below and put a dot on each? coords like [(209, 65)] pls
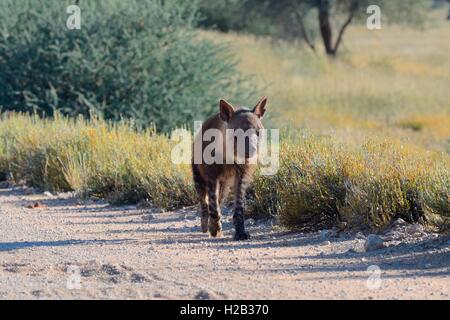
[(86, 250)]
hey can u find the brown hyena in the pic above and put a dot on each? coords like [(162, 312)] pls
[(213, 179)]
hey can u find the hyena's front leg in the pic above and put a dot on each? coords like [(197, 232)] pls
[(214, 226), (238, 216), (200, 187)]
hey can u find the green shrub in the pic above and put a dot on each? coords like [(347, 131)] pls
[(138, 59)]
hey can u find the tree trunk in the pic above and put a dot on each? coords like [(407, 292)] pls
[(325, 26), (448, 17), (326, 29)]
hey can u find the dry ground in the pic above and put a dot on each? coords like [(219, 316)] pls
[(91, 250)]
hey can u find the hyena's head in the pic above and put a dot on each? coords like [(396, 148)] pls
[(245, 125)]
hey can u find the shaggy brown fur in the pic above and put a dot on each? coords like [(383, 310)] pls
[(213, 181)]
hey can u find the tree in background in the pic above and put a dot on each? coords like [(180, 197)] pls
[(295, 18), (440, 4), (349, 8)]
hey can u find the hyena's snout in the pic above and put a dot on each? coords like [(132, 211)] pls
[(251, 148), (248, 147)]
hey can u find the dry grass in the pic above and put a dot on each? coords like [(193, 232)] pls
[(320, 179), (322, 182), (95, 158)]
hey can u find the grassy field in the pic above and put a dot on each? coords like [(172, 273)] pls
[(389, 83), (365, 136)]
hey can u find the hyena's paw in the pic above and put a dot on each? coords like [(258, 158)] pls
[(215, 228), (238, 236), (204, 224)]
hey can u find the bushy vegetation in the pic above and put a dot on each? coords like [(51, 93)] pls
[(93, 158), (324, 183), (320, 182), (138, 59)]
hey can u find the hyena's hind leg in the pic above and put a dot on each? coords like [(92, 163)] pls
[(200, 187)]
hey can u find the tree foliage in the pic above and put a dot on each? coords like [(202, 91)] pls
[(139, 59)]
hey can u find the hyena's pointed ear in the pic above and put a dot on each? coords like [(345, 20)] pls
[(260, 108), (226, 110)]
